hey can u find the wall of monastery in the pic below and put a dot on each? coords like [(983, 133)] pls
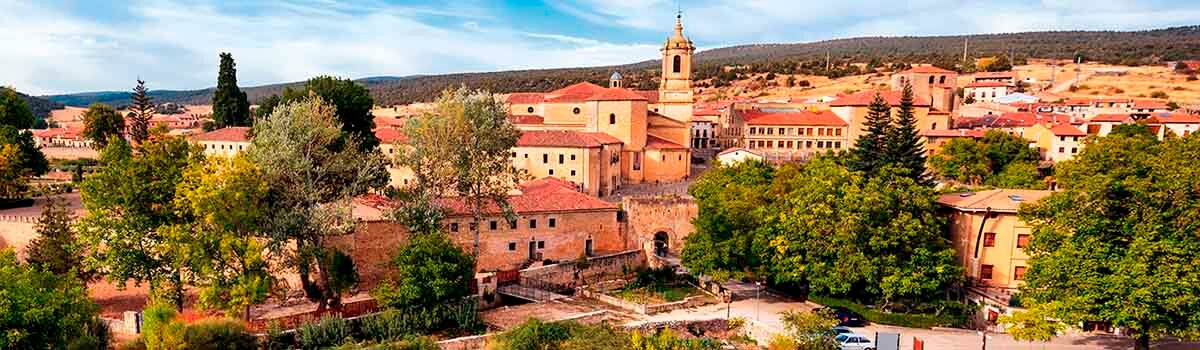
[(648, 215)]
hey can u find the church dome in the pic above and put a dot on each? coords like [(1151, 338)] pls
[(678, 41), (615, 76)]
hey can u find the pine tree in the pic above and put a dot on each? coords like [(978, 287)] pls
[(903, 147), (869, 148), (230, 106), (142, 110), (55, 249)]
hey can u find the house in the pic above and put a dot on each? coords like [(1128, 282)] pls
[(70, 137), (935, 139), (1056, 142), (737, 155), (986, 91), (793, 135), (852, 109), (929, 83), (227, 141)]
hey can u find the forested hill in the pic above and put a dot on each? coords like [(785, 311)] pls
[(1129, 48), (40, 107)]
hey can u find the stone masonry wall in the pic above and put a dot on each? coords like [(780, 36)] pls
[(648, 215)]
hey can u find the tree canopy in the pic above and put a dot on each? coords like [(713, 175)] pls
[(101, 122), (1118, 243), (230, 106), (56, 248), (429, 270), (14, 111), (998, 159), (904, 148), (29, 156), (140, 110), (352, 104), (41, 310), (731, 201)]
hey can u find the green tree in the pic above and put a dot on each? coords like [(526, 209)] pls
[(141, 110), (1001, 64), (40, 310), (903, 147), (266, 106), (56, 248), (13, 177), (223, 245), (1003, 148), (998, 159), (1118, 242), (130, 210), (314, 171), (14, 111), (1021, 174), (430, 270), (230, 107), (29, 156), (870, 149), (810, 329), (100, 122), (1031, 325), (731, 202), (963, 160), (463, 146), (353, 104)]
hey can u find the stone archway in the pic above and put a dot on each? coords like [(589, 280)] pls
[(662, 243)]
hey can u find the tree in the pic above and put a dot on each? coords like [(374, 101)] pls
[(903, 147), (353, 104), (230, 107), (142, 109), (29, 156), (100, 122), (810, 329), (463, 146), (56, 248), (314, 171), (13, 177), (870, 148), (14, 111), (266, 106), (997, 159), (1000, 64), (131, 208), (731, 201), (1118, 242), (963, 160), (41, 310), (223, 246), (430, 270)]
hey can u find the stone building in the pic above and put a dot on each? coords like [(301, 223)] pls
[(793, 136)]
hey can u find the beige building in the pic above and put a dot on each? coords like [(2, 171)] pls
[(227, 141), (793, 136), (933, 84), (986, 91), (852, 109), (737, 155), (589, 161), (1056, 142)]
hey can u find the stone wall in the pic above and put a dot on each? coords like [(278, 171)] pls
[(599, 267), (649, 215)]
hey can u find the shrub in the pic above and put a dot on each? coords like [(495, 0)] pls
[(1158, 94), (895, 319), (219, 334), (386, 326), (97, 336), (782, 342), (276, 338), (329, 331), (160, 330)]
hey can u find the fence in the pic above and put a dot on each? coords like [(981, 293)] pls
[(19, 219)]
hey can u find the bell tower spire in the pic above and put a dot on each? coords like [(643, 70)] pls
[(675, 95)]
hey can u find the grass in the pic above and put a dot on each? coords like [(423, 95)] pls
[(657, 293), (894, 319)]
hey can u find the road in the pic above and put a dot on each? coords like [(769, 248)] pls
[(1066, 84), (767, 309)]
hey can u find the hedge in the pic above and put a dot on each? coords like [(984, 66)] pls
[(894, 319)]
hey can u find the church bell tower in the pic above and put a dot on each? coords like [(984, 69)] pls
[(675, 89)]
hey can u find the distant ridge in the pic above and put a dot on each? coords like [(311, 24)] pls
[(1114, 47)]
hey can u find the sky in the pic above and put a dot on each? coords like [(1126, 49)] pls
[(53, 46)]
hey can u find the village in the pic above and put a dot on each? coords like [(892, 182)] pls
[(905, 207)]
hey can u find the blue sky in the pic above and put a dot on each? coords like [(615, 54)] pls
[(72, 46)]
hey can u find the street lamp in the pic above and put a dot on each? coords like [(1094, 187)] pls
[(757, 298)]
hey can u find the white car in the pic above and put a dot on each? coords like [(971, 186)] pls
[(851, 341)]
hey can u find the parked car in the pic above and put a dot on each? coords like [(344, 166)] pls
[(839, 330), (847, 318), (851, 341)]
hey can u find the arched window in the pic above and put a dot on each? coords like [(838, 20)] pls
[(677, 62), (612, 118)]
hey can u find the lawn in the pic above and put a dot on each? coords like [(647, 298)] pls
[(656, 293)]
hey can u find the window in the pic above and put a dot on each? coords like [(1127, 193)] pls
[(677, 61), (781, 132), (820, 131), (770, 131), (532, 223), (753, 130), (837, 144), (1074, 150), (453, 227), (514, 154), (931, 79), (551, 171), (1061, 150), (985, 272), (572, 172), (1022, 241), (637, 161), (545, 158), (989, 239), (530, 109), (576, 110), (492, 225), (942, 80), (512, 225), (572, 157), (560, 159), (838, 132), (541, 244), (512, 246), (1019, 273), (587, 247), (553, 222), (612, 118), (820, 144)]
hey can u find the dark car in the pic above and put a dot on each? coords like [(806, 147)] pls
[(846, 317)]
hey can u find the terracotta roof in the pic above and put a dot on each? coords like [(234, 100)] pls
[(705, 112), (926, 70), (1066, 130), (998, 200), (1110, 100), (822, 118), (564, 138), (526, 119), (972, 133), (616, 94), (1111, 118), (227, 134), (986, 84), (526, 97), (864, 99), (1149, 104), (1176, 118), (548, 194), (579, 88), (650, 95), (655, 142), (390, 136), (735, 149)]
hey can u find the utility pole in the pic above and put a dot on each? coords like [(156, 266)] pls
[(828, 64), (964, 60)]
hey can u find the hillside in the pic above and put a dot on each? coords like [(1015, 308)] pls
[(40, 107), (1112, 47)]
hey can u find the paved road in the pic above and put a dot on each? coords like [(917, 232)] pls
[(767, 309)]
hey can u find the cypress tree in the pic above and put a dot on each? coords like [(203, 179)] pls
[(230, 106), (869, 149), (142, 110), (903, 147)]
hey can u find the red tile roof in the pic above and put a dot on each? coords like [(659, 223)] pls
[(655, 142), (227, 134), (1111, 118), (1066, 130), (390, 136), (999, 200), (616, 94), (650, 95), (1149, 104), (986, 84), (972, 133), (548, 194), (526, 119), (1175, 118), (864, 99), (525, 98), (579, 88), (926, 70), (808, 118), (563, 138)]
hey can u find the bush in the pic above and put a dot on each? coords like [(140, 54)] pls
[(782, 342), (1159, 94), (895, 319), (97, 337), (329, 331), (388, 325), (218, 334)]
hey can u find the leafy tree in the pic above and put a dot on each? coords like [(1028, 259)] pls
[(353, 104), (1003, 148), (1000, 64), (14, 111), (1118, 242), (13, 177), (1021, 174), (810, 329), (40, 310), (56, 248), (998, 159), (429, 270), (1031, 325), (903, 146), (962, 160), (463, 146), (266, 106), (141, 110), (130, 204), (100, 122), (731, 201), (313, 171), (230, 107), (223, 245), (160, 330), (29, 156), (870, 148)]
